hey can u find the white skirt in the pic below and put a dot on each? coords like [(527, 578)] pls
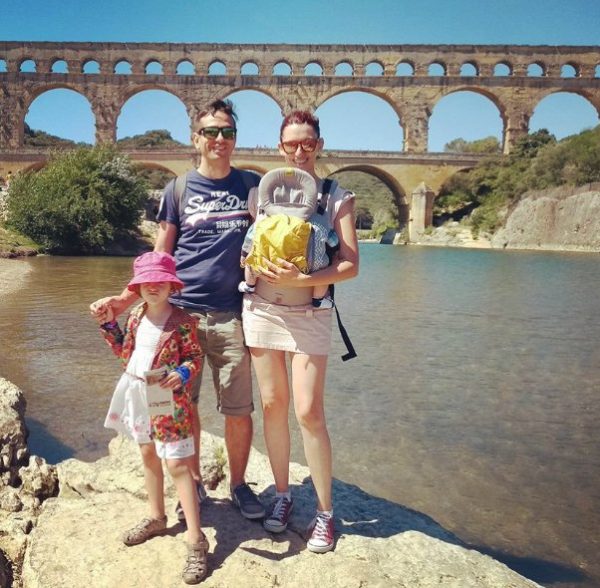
[(128, 411)]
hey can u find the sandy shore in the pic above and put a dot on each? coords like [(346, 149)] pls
[(13, 273)]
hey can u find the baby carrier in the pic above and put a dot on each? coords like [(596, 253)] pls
[(293, 224)]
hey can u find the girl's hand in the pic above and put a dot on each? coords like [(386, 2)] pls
[(172, 380), (102, 313), (283, 272)]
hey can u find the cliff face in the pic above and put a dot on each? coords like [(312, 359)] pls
[(73, 539), (564, 219)]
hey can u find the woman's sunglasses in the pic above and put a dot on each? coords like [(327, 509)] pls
[(307, 145)]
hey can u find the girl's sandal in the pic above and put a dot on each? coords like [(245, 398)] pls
[(196, 568), (144, 530)]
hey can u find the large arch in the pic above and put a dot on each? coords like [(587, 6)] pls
[(41, 110), (554, 112), (259, 118), (146, 109), (467, 123), (346, 122)]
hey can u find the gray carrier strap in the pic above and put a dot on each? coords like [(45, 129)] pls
[(324, 199), (179, 190)]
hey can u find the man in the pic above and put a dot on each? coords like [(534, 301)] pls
[(204, 227)]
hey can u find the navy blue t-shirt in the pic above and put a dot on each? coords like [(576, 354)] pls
[(212, 219)]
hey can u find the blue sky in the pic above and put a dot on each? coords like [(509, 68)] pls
[(344, 122)]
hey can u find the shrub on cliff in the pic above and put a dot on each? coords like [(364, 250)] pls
[(574, 161), (494, 182), (79, 202)]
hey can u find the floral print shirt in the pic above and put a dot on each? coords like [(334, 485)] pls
[(178, 346)]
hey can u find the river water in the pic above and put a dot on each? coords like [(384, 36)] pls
[(474, 397)]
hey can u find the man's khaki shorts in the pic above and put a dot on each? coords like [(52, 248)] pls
[(222, 340)]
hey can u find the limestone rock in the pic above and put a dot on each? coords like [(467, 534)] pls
[(38, 478), (23, 485), (564, 219), (73, 539), (9, 499), (13, 433), (77, 538)]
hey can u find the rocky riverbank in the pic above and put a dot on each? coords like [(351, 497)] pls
[(60, 526), (560, 219), (13, 275)]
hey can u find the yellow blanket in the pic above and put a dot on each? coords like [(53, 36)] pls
[(280, 236)]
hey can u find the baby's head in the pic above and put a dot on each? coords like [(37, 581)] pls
[(287, 190), (154, 267)]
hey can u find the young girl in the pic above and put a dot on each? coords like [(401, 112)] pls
[(159, 336)]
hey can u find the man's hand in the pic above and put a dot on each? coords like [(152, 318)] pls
[(107, 309)]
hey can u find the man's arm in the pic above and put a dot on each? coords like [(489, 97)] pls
[(166, 237), (101, 309)]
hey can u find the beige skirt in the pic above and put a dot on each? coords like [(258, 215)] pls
[(299, 329)]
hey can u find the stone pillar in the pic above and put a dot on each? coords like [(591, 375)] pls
[(516, 125), (416, 130), (194, 100), (12, 117), (421, 210), (106, 111)]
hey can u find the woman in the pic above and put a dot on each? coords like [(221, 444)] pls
[(278, 319)]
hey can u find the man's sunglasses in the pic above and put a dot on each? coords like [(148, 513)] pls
[(227, 133), (307, 145)]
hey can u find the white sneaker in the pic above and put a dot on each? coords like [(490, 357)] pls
[(245, 288)]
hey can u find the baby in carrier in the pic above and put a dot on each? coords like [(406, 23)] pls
[(292, 224)]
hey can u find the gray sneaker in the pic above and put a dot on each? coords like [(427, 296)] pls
[(279, 515), (248, 503)]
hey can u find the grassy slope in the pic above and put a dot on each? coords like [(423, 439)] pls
[(370, 192)]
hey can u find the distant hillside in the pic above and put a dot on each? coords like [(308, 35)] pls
[(157, 138), (536, 162), (372, 195), (33, 138)]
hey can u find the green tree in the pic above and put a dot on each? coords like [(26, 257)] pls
[(150, 139), (487, 145), (33, 138), (79, 202)]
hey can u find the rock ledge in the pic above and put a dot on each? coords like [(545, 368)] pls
[(72, 539)]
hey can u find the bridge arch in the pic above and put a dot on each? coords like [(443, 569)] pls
[(356, 87), (470, 91), (146, 98), (90, 66), (589, 97), (346, 124), (283, 67), (399, 196), (553, 109), (74, 93)]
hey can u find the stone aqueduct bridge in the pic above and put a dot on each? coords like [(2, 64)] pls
[(198, 73)]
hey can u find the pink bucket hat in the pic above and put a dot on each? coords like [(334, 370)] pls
[(154, 266)]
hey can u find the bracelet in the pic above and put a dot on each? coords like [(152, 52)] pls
[(184, 374), (109, 325)]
